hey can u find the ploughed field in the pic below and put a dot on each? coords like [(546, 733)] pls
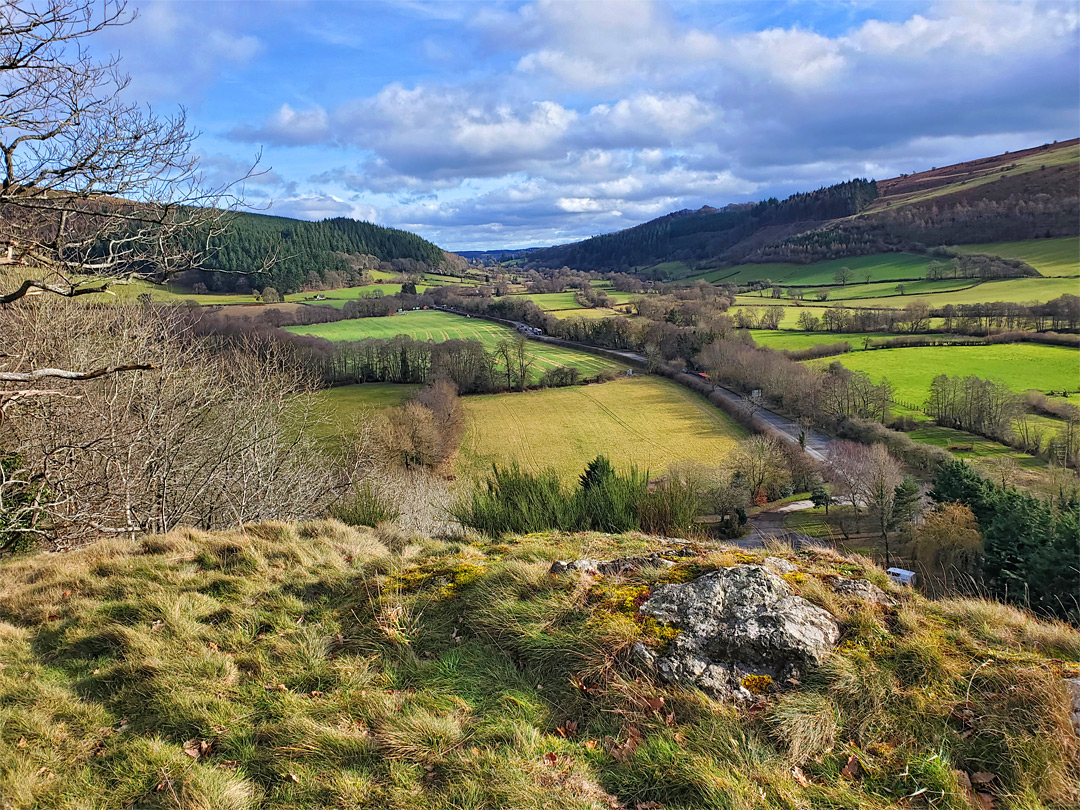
[(647, 421), (437, 327)]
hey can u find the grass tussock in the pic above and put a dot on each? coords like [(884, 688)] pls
[(319, 666)]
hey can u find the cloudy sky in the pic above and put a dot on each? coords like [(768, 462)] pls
[(490, 125)]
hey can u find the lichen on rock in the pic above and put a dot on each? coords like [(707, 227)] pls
[(735, 623)]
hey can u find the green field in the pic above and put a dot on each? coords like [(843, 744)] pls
[(881, 266), (791, 312), (346, 401), (339, 297), (1018, 290), (647, 421), (791, 340), (1051, 257), (441, 326), (1019, 365), (552, 301)]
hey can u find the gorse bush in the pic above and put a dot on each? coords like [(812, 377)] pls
[(513, 501)]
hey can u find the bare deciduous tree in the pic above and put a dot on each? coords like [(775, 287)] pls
[(95, 189)]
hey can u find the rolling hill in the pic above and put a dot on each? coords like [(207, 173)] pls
[(1026, 195)]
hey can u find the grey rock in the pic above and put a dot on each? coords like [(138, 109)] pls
[(1072, 685), (736, 622), (620, 565), (860, 589), (780, 565)]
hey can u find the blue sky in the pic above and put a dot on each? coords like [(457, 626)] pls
[(491, 125)]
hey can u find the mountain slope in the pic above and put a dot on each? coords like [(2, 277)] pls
[(1023, 195), (307, 251)]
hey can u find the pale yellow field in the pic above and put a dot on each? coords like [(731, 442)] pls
[(647, 421)]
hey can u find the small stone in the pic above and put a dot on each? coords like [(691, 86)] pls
[(1072, 685), (860, 589), (779, 565)]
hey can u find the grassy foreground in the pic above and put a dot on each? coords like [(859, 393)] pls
[(320, 666)]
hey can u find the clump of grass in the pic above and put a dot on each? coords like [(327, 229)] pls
[(366, 506)]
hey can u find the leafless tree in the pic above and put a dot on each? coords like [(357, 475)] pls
[(762, 462), (215, 436), (95, 189), (882, 476)]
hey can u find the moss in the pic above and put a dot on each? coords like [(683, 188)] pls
[(757, 684), (449, 578)]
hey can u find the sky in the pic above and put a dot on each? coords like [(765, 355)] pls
[(489, 125)]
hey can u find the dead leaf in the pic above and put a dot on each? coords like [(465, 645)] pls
[(656, 703), (21, 743), (623, 751), (590, 744), (292, 777), (65, 594), (648, 806), (800, 777), (191, 748), (213, 646), (986, 801), (982, 778), (550, 759), (963, 780), (852, 769)]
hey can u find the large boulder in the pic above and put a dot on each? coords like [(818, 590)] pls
[(743, 631)]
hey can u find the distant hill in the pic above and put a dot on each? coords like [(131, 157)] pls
[(1022, 195), (333, 251)]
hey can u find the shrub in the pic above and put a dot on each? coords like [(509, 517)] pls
[(514, 501), (367, 506)]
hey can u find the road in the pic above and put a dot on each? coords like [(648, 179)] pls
[(816, 444)]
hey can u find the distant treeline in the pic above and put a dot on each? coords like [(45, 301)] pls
[(307, 253), (694, 235), (1061, 313)]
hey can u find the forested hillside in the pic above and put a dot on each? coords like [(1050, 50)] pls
[(336, 250), (696, 235), (1030, 194)]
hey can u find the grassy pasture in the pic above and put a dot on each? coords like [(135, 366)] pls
[(438, 326), (1018, 290), (1051, 257), (346, 401), (550, 302), (1020, 365), (647, 421), (781, 339), (881, 266), (791, 312), (339, 297)]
